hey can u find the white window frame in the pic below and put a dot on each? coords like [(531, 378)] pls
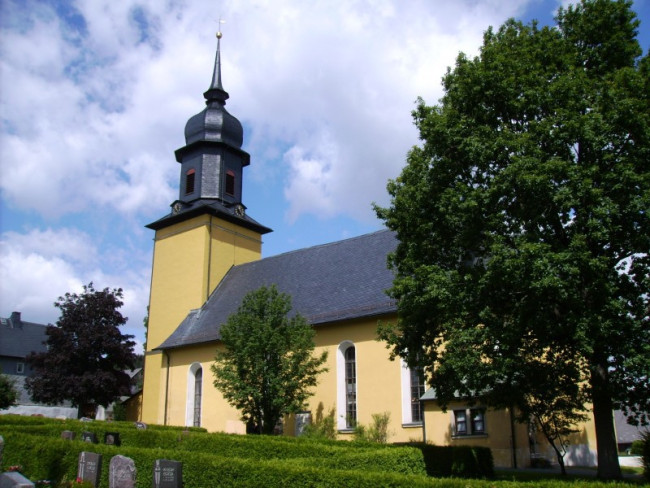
[(469, 423), (20, 368), (407, 412), (189, 403)]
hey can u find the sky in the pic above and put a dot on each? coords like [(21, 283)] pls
[(95, 94)]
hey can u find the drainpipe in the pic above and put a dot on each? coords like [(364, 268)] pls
[(166, 387), (514, 438), (424, 426)]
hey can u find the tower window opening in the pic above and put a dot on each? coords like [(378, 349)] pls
[(189, 181), (230, 183)]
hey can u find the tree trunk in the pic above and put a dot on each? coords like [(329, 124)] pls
[(608, 466), (560, 459)]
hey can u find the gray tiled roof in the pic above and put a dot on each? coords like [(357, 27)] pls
[(332, 282), (211, 207), (18, 341)]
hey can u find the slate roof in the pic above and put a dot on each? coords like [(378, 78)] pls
[(18, 340), (626, 433), (332, 282)]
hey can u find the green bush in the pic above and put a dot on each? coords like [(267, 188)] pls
[(307, 452), (200, 470), (376, 432), (461, 461), (636, 449), (645, 454)]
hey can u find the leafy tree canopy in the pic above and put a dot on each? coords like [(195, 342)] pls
[(87, 354), (267, 367), (523, 221)]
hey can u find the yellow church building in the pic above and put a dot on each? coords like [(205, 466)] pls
[(207, 256)]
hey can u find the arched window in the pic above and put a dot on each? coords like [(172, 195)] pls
[(347, 385), (230, 183), (189, 181), (198, 391), (194, 395)]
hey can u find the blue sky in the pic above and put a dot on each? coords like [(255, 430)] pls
[(95, 94)]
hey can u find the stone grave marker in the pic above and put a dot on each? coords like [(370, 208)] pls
[(14, 479), (121, 472), (112, 439), (89, 437), (68, 435), (90, 467), (167, 474), (2, 448), (140, 425), (303, 419)]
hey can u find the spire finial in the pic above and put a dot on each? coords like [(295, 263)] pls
[(216, 90), (219, 34)]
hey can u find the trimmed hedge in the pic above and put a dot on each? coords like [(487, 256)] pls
[(56, 459), (462, 461), (201, 470), (366, 456), (406, 459)]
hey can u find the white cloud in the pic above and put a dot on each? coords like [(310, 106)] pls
[(38, 267)]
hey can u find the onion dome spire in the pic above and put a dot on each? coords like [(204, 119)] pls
[(214, 123)]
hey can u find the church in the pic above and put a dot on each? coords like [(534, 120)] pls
[(207, 257)]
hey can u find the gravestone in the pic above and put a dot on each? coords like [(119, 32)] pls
[(68, 435), (14, 479), (86, 419), (90, 467), (121, 472), (140, 425), (89, 437), (167, 474), (2, 448), (112, 438), (303, 419)]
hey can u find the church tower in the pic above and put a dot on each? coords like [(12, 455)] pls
[(206, 233)]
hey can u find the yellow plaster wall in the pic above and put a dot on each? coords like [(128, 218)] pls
[(190, 259), (378, 383), (378, 378), (498, 437), (216, 413), (581, 450)]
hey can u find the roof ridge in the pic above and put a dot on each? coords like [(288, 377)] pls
[(315, 246)]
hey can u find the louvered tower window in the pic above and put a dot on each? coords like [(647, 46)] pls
[(189, 181)]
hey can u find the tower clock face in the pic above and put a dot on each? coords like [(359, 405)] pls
[(239, 210), (177, 207)]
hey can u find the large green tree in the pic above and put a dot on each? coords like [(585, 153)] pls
[(267, 367), (523, 222), (86, 353)]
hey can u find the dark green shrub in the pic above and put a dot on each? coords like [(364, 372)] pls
[(645, 454), (323, 427), (200, 470), (636, 449), (461, 461), (376, 432)]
